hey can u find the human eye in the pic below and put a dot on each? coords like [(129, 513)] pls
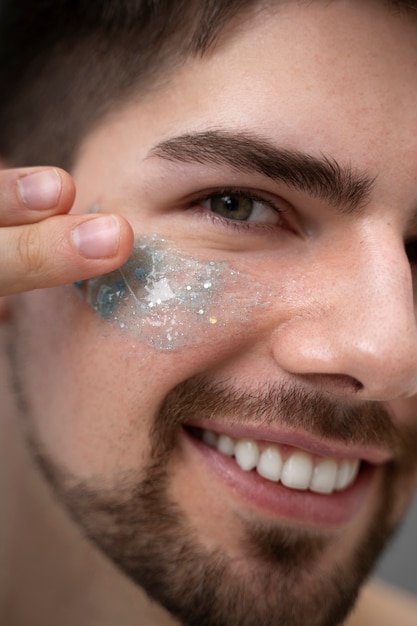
[(241, 207)]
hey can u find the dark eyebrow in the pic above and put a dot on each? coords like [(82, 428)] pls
[(322, 177)]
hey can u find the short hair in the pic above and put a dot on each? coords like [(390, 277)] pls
[(65, 63)]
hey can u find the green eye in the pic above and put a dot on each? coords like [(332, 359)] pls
[(232, 207), (242, 207)]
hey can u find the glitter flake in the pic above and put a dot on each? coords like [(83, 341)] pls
[(166, 299)]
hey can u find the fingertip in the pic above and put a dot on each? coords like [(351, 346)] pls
[(68, 190), (98, 237), (40, 190), (46, 189), (104, 236)]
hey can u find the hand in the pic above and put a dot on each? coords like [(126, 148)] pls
[(41, 246)]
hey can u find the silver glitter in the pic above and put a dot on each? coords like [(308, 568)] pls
[(169, 300)]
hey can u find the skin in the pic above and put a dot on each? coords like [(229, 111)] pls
[(337, 288)]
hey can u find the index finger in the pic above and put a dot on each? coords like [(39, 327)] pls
[(29, 195)]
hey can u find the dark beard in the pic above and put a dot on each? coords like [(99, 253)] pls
[(278, 580)]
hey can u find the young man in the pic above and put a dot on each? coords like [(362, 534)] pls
[(220, 383)]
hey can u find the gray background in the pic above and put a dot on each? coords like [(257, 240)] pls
[(399, 563)]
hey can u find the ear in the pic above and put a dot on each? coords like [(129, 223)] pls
[(4, 308)]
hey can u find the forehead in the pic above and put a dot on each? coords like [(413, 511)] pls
[(335, 78), (345, 58), (343, 61)]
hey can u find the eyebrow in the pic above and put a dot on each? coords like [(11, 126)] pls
[(322, 177)]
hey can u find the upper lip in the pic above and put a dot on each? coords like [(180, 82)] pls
[(297, 439)]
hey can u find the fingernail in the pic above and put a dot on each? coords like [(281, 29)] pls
[(40, 191), (98, 238)]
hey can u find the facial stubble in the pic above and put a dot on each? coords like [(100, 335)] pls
[(278, 580)]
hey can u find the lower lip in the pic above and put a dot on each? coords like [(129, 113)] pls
[(304, 507)]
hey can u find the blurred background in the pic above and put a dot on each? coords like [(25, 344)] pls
[(399, 564)]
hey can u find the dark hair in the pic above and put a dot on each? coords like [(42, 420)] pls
[(65, 63)]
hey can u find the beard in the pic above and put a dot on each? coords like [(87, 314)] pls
[(279, 579)]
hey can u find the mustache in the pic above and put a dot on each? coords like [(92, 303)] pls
[(360, 423)]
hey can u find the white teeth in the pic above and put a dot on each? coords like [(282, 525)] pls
[(355, 465), (246, 454), (324, 476), (226, 445), (270, 464), (297, 471), (347, 473), (343, 474)]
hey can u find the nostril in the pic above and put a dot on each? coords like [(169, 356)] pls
[(334, 383)]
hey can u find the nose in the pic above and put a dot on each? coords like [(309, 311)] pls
[(353, 324)]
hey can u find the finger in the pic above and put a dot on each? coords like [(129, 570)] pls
[(62, 249), (28, 195)]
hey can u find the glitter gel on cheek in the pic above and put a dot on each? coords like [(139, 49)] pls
[(170, 301)]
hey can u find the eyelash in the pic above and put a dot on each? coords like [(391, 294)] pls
[(235, 224)]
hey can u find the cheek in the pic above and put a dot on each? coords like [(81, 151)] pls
[(90, 400), (405, 410), (170, 302), (96, 375)]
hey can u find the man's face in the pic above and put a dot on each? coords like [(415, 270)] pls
[(267, 312)]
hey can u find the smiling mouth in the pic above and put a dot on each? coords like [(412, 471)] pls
[(293, 468)]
